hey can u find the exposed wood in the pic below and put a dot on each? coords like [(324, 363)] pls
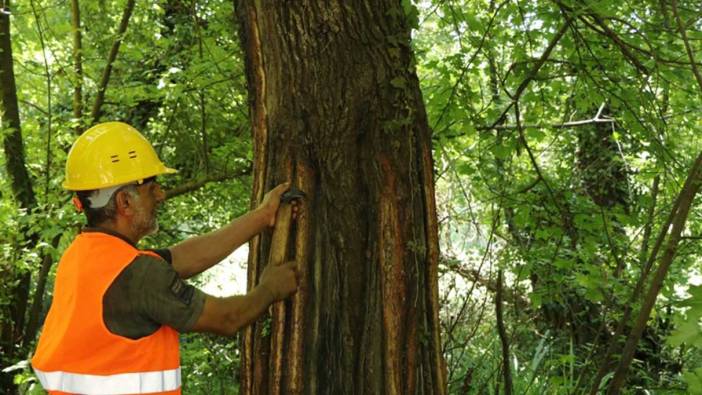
[(277, 256), (294, 363), (250, 37)]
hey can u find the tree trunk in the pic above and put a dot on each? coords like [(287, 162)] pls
[(336, 108), (13, 318)]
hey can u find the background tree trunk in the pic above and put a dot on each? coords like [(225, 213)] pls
[(336, 107), (17, 282)]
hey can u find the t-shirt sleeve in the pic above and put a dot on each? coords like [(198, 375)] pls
[(164, 253), (164, 297)]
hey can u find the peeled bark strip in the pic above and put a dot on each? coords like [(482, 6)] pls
[(279, 248), (295, 362), (392, 276), (333, 86), (257, 91)]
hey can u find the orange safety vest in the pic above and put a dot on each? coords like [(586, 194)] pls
[(76, 353)]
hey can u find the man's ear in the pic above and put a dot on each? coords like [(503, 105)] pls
[(124, 203)]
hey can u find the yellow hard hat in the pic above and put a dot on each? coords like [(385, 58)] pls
[(109, 154)]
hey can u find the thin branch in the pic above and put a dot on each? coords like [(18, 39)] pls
[(102, 86), (199, 183), (47, 169), (532, 74), (608, 32), (506, 370), (688, 48), (532, 158), (201, 95), (635, 295), (596, 119), (47, 261), (77, 67), (687, 196), (34, 106), (650, 215), (475, 53)]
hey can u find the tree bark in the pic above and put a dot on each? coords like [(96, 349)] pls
[(336, 108)]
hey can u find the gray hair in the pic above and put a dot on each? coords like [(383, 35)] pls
[(108, 212)]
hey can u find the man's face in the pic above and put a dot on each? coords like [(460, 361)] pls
[(150, 196)]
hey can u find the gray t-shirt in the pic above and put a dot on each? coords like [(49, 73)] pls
[(149, 293)]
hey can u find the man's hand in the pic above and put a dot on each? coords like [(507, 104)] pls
[(271, 202), (280, 280)]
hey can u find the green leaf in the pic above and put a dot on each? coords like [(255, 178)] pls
[(501, 151), (411, 13), (694, 381), (686, 332)]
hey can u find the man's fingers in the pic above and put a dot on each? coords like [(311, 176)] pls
[(281, 188), (292, 265)]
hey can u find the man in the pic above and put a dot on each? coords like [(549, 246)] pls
[(116, 313)]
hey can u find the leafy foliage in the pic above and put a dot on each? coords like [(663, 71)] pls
[(563, 132)]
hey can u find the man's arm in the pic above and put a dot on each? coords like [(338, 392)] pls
[(226, 316), (197, 254)]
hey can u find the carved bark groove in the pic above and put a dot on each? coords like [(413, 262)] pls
[(336, 108)]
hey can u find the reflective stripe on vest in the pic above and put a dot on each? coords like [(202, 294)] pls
[(123, 383)]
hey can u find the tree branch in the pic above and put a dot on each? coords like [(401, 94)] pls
[(609, 33), (199, 183), (102, 86), (597, 119), (47, 169), (690, 189), (688, 48), (30, 331), (532, 74), (77, 67), (506, 371)]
